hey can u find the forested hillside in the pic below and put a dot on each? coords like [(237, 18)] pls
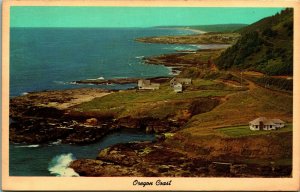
[(265, 46)]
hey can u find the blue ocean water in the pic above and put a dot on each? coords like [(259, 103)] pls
[(53, 159), (51, 58)]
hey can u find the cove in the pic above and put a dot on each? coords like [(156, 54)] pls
[(51, 159)]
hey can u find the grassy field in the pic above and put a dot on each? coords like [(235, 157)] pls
[(157, 103), (240, 131), (200, 56), (239, 108)]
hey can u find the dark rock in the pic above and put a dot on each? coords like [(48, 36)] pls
[(160, 138), (219, 168), (91, 121), (239, 169)]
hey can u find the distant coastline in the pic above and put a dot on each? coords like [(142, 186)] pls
[(185, 28)]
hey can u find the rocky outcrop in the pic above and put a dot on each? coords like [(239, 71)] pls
[(120, 81), (45, 130), (153, 159), (38, 126), (149, 124), (42, 118), (206, 38), (273, 146)]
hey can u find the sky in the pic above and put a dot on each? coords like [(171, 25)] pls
[(63, 16)]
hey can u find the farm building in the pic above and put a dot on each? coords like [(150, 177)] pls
[(183, 81), (178, 83), (263, 123), (177, 88), (147, 85)]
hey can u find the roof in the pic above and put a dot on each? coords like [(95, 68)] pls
[(265, 121), (257, 120), (277, 121), (269, 122)]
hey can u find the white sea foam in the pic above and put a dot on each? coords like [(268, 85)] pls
[(24, 93), (93, 79), (56, 142), (29, 146), (173, 71), (139, 57), (60, 82), (59, 166)]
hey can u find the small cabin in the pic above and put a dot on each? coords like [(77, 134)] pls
[(178, 83), (178, 88), (262, 123), (144, 84), (183, 81)]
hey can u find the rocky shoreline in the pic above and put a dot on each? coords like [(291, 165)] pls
[(170, 155), (121, 81), (43, 117), (205, 38), (159, 159)]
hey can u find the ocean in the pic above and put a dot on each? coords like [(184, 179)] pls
[(53, 159), (51, 58)]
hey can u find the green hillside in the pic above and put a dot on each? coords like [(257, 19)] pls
[(265, 46)]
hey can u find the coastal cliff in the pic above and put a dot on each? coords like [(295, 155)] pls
[(214, 156)]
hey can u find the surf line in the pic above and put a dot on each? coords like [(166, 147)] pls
[(150, 183)]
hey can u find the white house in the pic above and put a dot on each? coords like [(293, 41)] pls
[(263, 123), (178, 83), (183, 81), (147, 85), (177, 87)]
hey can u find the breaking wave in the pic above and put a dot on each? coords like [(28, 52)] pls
[(56, 142), (29, 146), (99, 78), (59, 166), (60, 82), (24, 93)]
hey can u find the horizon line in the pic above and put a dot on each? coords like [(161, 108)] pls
[(156, 26)]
